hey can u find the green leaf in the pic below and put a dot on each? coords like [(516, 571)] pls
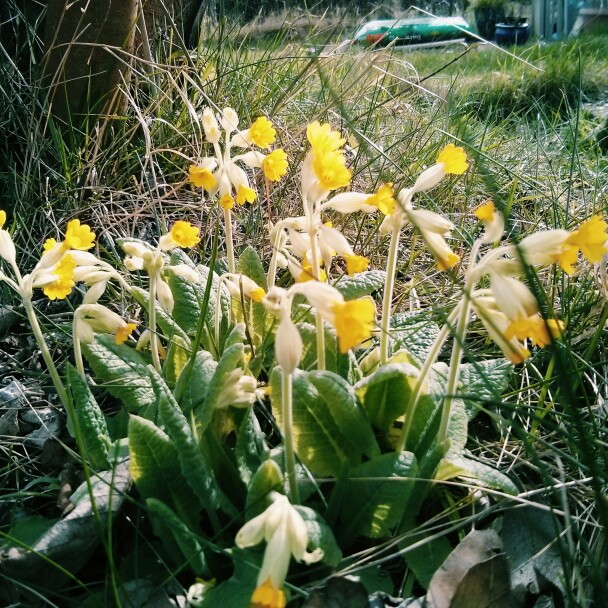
[(236, 592), (483, 381), (377, 495), (156, 470), (232, 358), (322, 445), (250, 450), (415, 332), (27, 531), (189, 297), (91, 420), (341, 402), (268, 478), (195, 469), (425, 559), (250, 265), (360, 284), (167, 523), (123, 371), (480, 473), (193, 383), (386, 393), (178, 355), (320, 535)]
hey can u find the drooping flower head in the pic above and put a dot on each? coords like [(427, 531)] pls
[(182, 234)]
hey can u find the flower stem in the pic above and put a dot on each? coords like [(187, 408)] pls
[(457, 348), (229, 240), (387, 300), (272, 268), (287, 415), (316, 272), (152, 323), (422, 376)]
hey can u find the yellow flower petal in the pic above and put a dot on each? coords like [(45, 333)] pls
[(356, 263), (275, 165), (485, 212), (454, 159), (384, 199), (78, 236), (2, 218), (257, 294), (185, 234), (201, 177), (267, 596), (262, 133), (61, 287), (449, 260), (122, 333), (591, 238), (245, 195), (322, 138), (227, 202), (308, 275), (49, 244), (330, 169), (354, 321)]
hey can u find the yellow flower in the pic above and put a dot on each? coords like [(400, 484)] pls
[(49, 244), (454, 159), (184, 234), (122, 333), (2, 218), (227, 202), (245, 195), (330, 169), (201, 177), (485, 212), (62, 285), (356, 263), (262, 133), (354, 321), (266, 596), (591, 238), (78, 236), (307, 274), (322, 138), (384, 199), (536, 329), (257, 294), (275, 165)]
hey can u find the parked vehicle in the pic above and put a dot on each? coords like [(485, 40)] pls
[(418, 30)]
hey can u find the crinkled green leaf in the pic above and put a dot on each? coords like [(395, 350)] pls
[(122, 371), (415, 332), (483, 381), (360, 284), (195, 469), (385, 394), (481, 473), (345, 410), (425, 559), (320, 535), (156, 470), (321, 444), (333, 358), (377, 495), (250, 265), (193, 383), (167, 523), (189, 297), (250, 450), (92, 423)]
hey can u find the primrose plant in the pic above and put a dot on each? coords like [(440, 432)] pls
[(273, 407)]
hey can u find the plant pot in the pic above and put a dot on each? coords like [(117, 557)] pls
[(511, 33), (486, 19)]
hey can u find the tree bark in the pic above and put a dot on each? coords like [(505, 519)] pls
[(84, 60)]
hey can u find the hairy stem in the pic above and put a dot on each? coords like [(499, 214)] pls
[(287, 415), (387, 300)]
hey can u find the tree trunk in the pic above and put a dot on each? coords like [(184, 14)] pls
[(81, 71)]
